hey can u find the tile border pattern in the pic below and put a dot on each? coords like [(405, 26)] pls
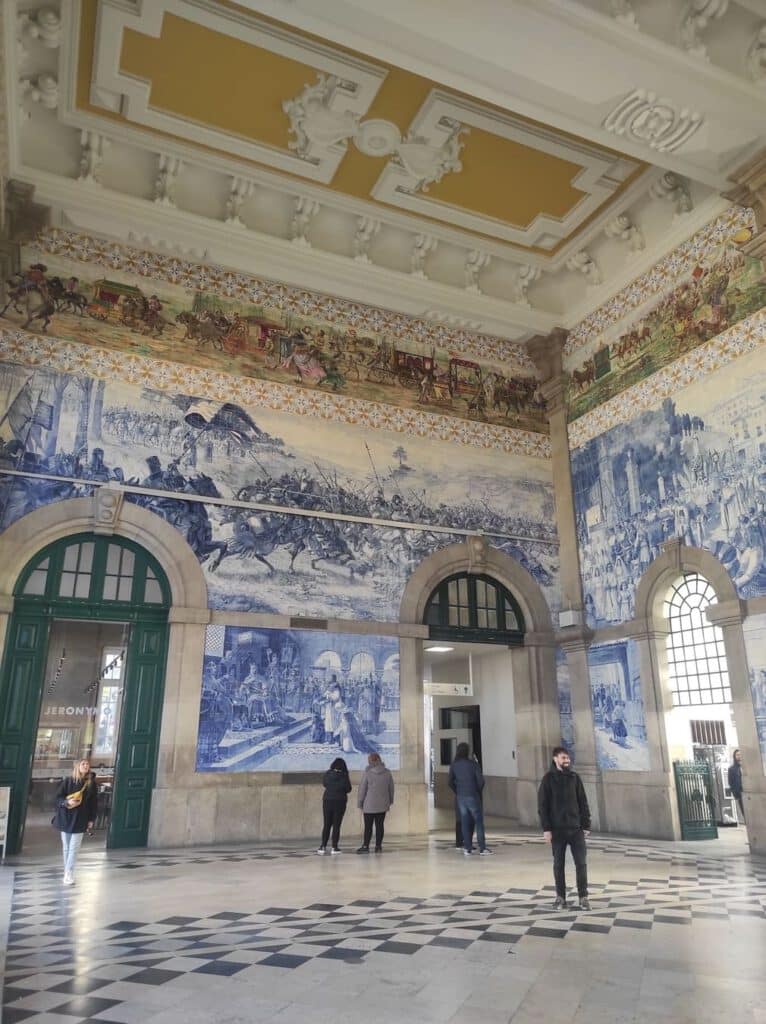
[(660, 277), (230, 285), (744, 337), (53, 353)]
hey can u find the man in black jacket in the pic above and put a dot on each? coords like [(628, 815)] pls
[(565, 818)]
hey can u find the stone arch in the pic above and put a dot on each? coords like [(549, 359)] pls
[(676, 559), (476, 555), (34, 531)]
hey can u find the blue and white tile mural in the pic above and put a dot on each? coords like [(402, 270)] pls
[(254, 557), (565, 701), (287, 700), (694, 468), (618, 708), (755, 645)]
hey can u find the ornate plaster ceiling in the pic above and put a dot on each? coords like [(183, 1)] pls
[(501, 168)]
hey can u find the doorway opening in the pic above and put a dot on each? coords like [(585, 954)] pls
[(700, 727), (83, 676), (474, 623)]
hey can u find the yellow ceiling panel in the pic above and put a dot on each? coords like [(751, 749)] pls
[(214, 79), (508, 181)]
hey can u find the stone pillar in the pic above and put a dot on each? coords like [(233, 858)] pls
[(750, 190), (536, 707), (547, 353), (729, 616)]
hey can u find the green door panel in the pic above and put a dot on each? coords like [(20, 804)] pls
[(21, 688), (139, 735)]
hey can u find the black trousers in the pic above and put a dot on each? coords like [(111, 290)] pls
[(333, 811), (741, 806), (575, 840), (369, 821)]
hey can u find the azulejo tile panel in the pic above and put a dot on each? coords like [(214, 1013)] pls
[(229, 284), (742, 338), (162, 375), (660, 277), (141, 303)]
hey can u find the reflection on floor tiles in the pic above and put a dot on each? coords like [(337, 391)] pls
[(675, 932)]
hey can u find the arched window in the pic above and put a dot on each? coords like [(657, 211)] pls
[(474, 608), (91, 569), (697, 664)]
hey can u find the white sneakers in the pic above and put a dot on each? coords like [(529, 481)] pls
[(68, 879), (335, 852), (321, 851)]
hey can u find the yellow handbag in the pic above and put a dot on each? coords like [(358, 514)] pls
[(75, 799)]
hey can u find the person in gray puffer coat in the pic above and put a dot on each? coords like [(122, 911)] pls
[(374, 796)]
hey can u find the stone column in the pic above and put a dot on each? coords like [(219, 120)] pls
[(729, 616), (536, 707), (750, 190), (547, 353)]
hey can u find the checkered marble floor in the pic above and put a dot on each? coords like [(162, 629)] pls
[(419, 933)]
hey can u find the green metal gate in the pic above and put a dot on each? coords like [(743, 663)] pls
[(696, 806)]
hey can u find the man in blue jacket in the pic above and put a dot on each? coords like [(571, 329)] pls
[(466, 782), (565, 818)]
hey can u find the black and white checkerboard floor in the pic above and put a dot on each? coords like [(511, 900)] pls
[(161, 934)]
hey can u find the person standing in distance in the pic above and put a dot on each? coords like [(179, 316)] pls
[(374, 797), (565, 819), (466, 782), (76, 811), (735, 780)]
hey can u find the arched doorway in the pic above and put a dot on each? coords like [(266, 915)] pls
[(81, 578), (475, 595)]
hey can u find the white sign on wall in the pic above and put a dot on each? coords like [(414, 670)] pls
[(448, 689)]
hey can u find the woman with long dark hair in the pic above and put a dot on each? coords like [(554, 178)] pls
[(337, 786), (76, 811)]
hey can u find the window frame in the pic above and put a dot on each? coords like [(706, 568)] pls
[(688, 645), (472, 632)]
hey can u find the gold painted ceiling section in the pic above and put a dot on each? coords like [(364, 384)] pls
[(211, 79)]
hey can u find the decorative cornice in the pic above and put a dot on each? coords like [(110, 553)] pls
[(230, 284), (660, 278), (744, 337), (52, 353)]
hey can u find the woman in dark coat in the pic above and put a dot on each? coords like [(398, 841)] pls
[(337, 786), (76, 811)]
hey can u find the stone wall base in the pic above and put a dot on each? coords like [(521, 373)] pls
[(193, 816)]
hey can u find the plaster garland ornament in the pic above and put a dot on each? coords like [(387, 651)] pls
[(428, 163), (674, 189), (475, 262), (622, 228), (697, 16), (644, 117), (366, 230), (304, 212), (315, 123), (168, 169), (42, 26), (42, 89), (93, 147), (581, 262), (756, 57), (623, 11), (239, 192), (526, 276), (424, 244)]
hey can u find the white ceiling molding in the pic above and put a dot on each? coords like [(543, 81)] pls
[(349, 89), (601, 174)]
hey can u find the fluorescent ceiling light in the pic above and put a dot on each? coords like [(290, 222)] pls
[(439, 650)]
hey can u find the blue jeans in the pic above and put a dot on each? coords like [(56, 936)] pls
[(469, 807), (70, 842)]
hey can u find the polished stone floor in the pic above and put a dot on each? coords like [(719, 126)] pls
[(676, 933)]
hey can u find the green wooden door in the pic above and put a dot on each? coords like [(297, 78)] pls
[(99, 578), (696, 808), (20, 695), (139, 735)]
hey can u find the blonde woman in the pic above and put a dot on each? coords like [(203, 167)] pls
[(76, 810)]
